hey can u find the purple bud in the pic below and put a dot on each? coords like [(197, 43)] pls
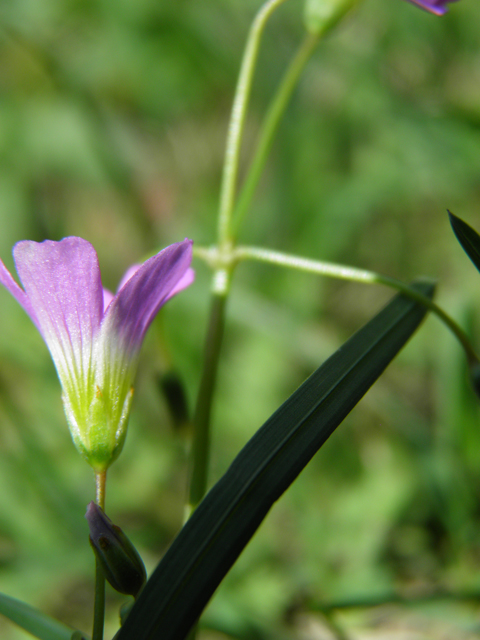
[(120, 561)]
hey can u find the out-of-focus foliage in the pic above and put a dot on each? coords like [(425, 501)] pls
[(113, 117)]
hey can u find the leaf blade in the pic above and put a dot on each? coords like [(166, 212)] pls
[(34, 621), (468, 238), (219, 529)]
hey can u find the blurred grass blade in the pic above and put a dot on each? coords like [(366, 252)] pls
[(468, 238), (229, 515), (322, 15), (35, 622)]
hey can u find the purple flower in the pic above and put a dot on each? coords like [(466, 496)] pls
[(94, 337), (438, 7)]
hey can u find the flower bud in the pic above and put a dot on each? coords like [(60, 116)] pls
[(120, 561)]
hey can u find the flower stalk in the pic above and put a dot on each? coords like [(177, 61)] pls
[(353, 274), (99, 593), (223, 256), (237, 121), (222, 260), (100, 486), (99, 603), (270, 126), (201, 438)]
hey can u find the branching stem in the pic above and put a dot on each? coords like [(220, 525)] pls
[(344, 272)]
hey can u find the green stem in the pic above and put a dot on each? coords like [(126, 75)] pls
[(237, 120), (100, 484), (223, 253), (378, 601), (99, 606), (201, 421), (270, 125), (358, 275)]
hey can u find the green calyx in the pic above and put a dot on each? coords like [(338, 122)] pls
[(99, 425)]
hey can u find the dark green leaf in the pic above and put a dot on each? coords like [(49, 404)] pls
[(35, 622), (468, 238), (211, 541)]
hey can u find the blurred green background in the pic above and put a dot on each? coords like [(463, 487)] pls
[(113, 116)]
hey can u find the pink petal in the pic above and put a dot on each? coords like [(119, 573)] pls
[(107, 298), (17, 292), (185, 281), (63, 284), (438, 7), (136, 304), (131, 271)]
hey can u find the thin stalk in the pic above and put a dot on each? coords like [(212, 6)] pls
[(344, 272), (270, 125), (100, 484), (221, 278), (237, 120), (201, 421), (391, 598), (99, 606)]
